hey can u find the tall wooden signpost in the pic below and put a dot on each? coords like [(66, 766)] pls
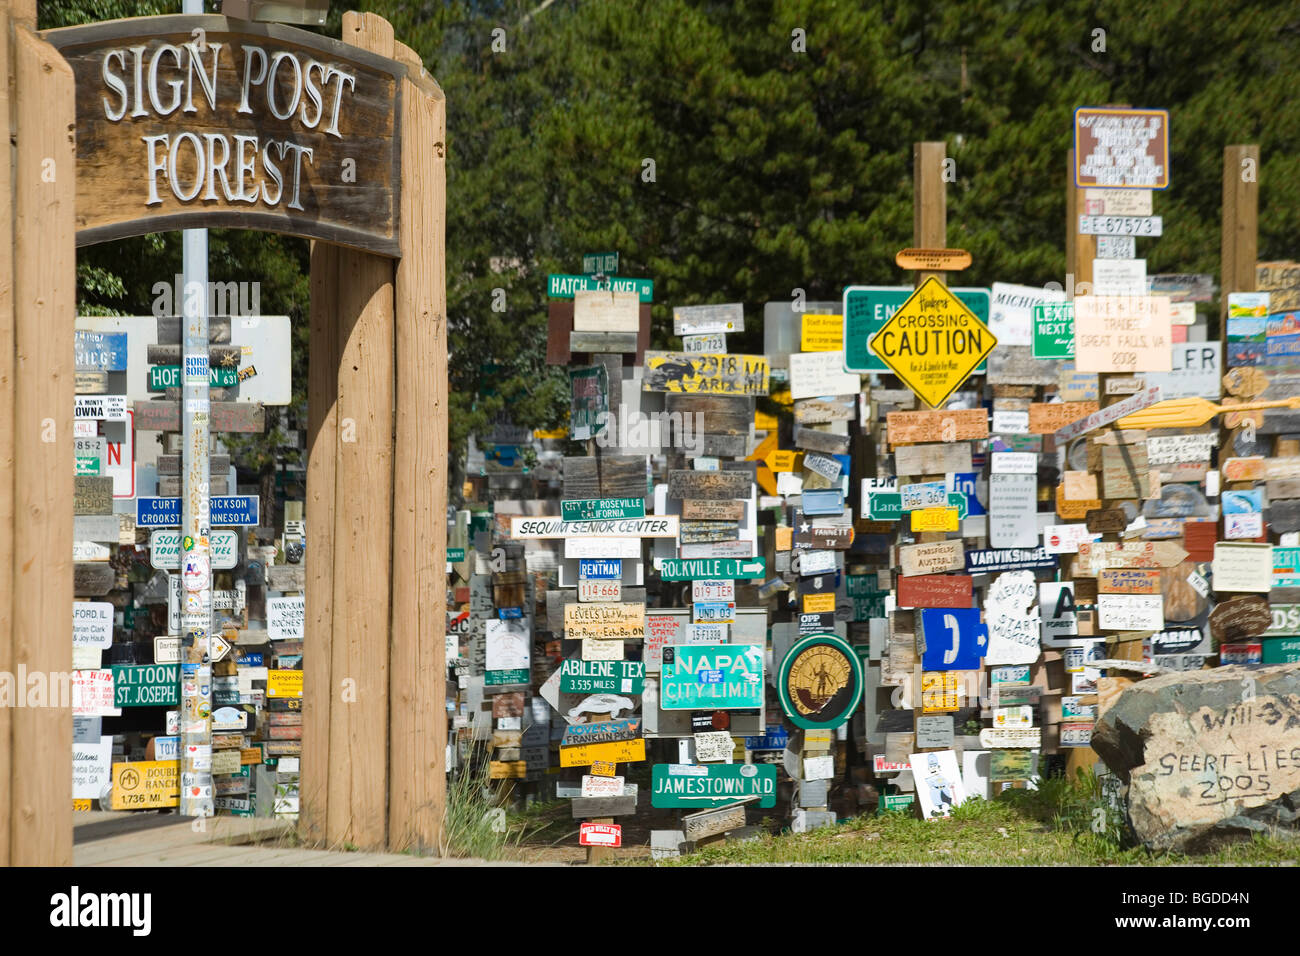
[(233, 138)]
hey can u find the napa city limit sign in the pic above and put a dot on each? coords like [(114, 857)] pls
[(933, 342), (184, 122)]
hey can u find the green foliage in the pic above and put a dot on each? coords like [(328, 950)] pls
[(775, 169)]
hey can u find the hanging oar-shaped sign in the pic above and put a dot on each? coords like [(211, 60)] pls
[(1192, 412)]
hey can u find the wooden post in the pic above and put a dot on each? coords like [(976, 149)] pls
[(929, 202), (1079, 250), (44, 305), (929, 231), (357, 802), (1240, 224), (417, 712), (322, 457), (7, 662)]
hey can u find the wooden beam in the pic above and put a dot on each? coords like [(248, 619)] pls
[(357, 803), (7, 663), (417, 689), (322, 457), (45, 305), (1079, 250), (1240, 223), (929, 201)]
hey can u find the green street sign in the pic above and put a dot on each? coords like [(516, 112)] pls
[(87, 464), (706, 786), (694, 569), (455, 554), (602, 677), (499, 678), (560, 286), (599, 509), (959, 502), (868, 307), (868, 607), (604, 263), (1054, 330), (146, 685), (862, 585), (884, 506), (163, 377), (711, 677), (1281, 650), (894, 801)]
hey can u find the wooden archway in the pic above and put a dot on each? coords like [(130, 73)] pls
[(374, 717)]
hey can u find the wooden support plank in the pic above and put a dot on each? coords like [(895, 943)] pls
[(930, 201), (7, 663), (45, 304), (358, 749), (322, 456), (1079, 250), (1240, 222), (417, 712)]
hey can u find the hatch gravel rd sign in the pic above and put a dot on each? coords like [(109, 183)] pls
[(933, 342)]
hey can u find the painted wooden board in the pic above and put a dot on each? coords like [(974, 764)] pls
[(932, 459), (719, 414), (708, 485), (242, 417), (605, 620), (606, 476), (125, 190), (704, 509), (937, 426), (603, 310), (932, 558), (1045, 418), (820, 441), (720, 374), (92, 495), (602, 343)]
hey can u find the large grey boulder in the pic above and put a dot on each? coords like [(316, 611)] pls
[(1210, 757)]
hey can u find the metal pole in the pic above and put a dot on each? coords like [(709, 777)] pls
[(196, 562)]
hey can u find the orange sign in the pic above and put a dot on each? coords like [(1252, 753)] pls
[(933, 260)]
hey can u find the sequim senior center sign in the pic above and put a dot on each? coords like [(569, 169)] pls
[(183, 121)]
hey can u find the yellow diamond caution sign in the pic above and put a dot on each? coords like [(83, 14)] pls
[(933, 342)]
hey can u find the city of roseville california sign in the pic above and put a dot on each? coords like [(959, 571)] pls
[(185, 121)]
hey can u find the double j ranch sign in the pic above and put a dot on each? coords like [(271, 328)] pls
[(183, 121)]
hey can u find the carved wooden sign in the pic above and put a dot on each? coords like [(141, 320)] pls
[(258, 127), (941, 426), (708, 485)]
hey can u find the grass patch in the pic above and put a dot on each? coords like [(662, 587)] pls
[(1063, 823), (477, 823)]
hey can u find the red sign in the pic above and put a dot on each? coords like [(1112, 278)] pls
[(935, 590), (600, 834), (1199, 538)]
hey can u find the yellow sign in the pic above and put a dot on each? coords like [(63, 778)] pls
[(146, 784), (85, 805), (708, 373), (822, 333), (602, 768), (616, 751), (782, 460), (933, 342), (763, 422), (819, 603), (284, 683), (934, 519), (553, 433), (939, 691), (507, 769), (784, 538)]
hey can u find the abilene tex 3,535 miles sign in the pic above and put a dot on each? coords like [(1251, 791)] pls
[(933, 342)]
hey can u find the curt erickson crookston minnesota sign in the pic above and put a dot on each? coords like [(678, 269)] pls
[(183, 121)]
